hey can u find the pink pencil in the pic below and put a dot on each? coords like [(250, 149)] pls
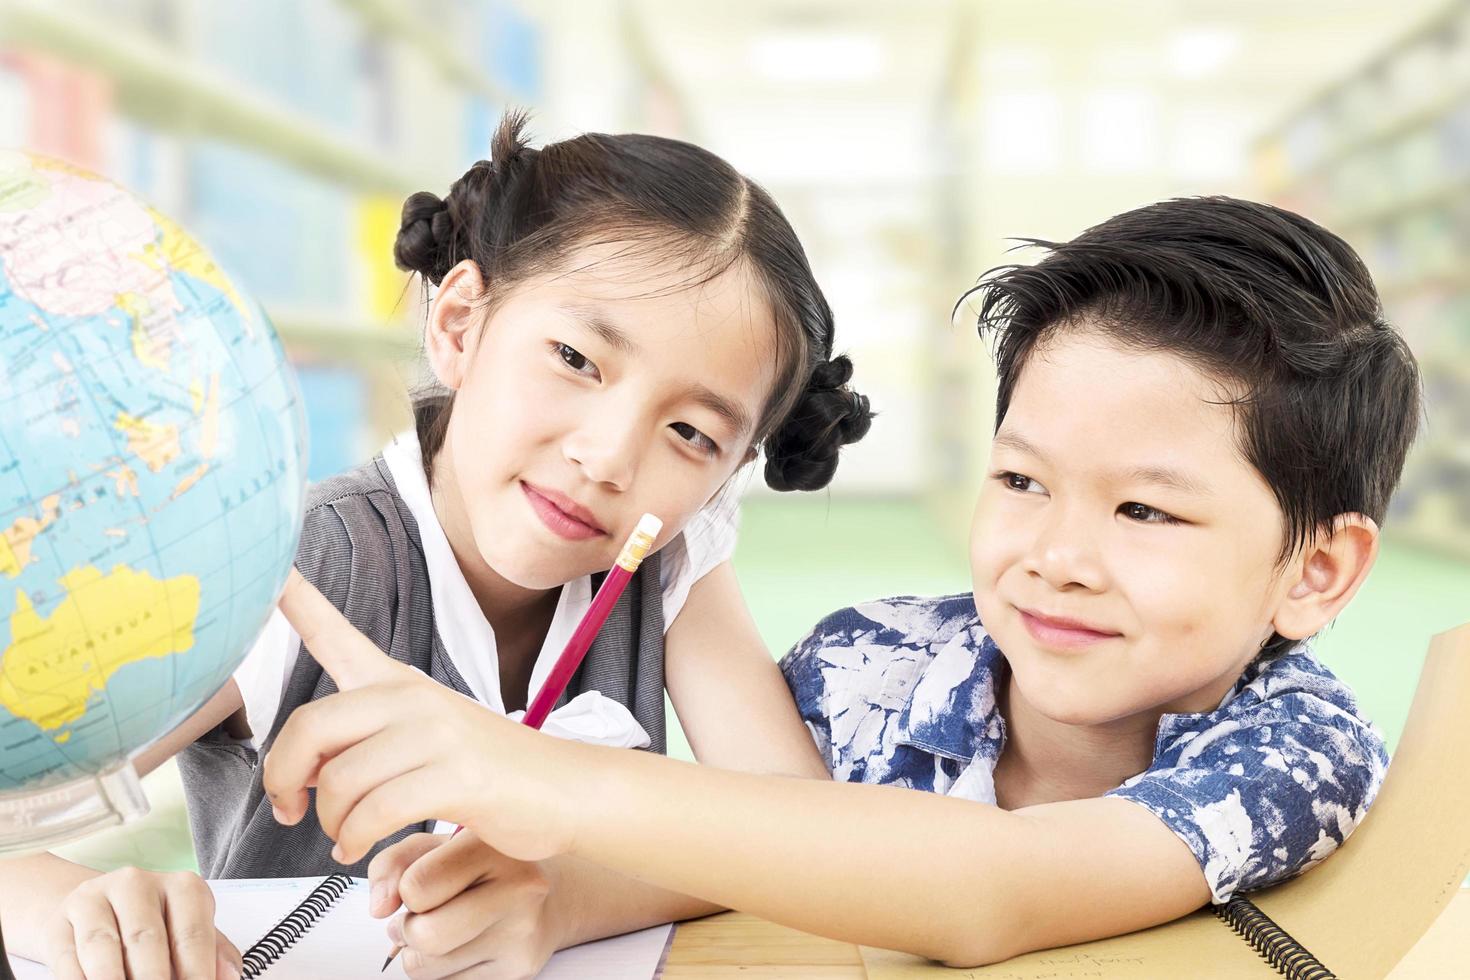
[(635, 549), (639, 543)]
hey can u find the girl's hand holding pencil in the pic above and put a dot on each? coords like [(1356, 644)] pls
[(468, 906)]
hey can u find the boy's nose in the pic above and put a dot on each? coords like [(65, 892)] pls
[(1064, 553)]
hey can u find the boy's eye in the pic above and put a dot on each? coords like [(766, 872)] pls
[(573, 359), (696, 438), (1019, 482), (1144, 514)]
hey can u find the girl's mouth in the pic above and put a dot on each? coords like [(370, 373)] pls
[(562, 515)]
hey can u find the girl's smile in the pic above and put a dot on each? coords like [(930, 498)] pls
[(562, 515)]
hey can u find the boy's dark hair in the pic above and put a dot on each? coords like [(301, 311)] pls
[(1326, 392), (522, 211)]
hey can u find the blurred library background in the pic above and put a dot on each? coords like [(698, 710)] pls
[(907, 143)]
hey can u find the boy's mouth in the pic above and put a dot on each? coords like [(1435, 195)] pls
[(562, 515), (1057, 631)]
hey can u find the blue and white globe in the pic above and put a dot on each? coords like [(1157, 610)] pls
[(152, 478)]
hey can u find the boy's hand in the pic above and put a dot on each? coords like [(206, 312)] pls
[(395, 748), (469, 906), (139, 924)]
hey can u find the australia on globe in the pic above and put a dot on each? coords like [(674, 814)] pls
[(152, 477)]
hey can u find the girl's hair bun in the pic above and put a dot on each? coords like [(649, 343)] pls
[(802, 453), (424, 236), (484, 204)]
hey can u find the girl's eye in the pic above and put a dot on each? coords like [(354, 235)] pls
[(574, 360), (1144, 514), (1019, 482), (696, 438)]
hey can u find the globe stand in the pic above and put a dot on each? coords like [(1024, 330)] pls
[(34, 820)]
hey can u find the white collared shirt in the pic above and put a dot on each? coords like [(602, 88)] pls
[(707, 540)]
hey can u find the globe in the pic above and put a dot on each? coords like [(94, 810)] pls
[(152, 479)]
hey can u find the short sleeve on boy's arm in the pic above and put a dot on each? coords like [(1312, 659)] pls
[(802, 667), (1263, 793)]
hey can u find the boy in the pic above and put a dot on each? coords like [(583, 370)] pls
[(1201, 418)]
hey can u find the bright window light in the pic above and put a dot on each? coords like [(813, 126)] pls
[(814, 57), (1120, 131), (1200, 51), (1021, 131)]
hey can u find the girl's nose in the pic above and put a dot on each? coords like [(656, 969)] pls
[(1064, 553), (607, 451)]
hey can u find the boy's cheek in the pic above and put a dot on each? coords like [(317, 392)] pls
[(997, 547), (989, 538)]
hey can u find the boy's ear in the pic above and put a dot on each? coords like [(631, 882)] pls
[(453, 313), (1326, 576)]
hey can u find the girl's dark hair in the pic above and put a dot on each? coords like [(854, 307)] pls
[(523, 210), (1326, 393)]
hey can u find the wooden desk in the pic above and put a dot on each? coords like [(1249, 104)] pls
[(734, 944)]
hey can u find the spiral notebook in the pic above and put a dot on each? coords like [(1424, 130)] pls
[(319, 929), (1354, 917)]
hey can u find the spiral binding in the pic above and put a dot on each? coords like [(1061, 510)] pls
[(286, 933), (1276, 947)]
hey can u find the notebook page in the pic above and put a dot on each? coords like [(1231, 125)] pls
[(347, 942)]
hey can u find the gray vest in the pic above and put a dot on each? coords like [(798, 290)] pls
[(361, 548)]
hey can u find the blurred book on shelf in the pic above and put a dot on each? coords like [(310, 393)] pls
[(1382, 157)]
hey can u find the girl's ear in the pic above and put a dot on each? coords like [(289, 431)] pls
[(450, 318), (1326, 576)]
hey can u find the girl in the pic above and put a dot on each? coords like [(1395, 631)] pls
[(1201, 419), (620, 323)]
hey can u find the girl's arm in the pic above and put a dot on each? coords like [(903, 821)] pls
[(954, 880), (950, 879), (730, 696)]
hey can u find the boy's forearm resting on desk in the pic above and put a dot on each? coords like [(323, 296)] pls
[(954, 880)]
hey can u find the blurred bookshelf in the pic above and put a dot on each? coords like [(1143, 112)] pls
[(1382, 157), (284, 134)]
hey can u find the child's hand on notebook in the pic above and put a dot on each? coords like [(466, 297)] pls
[(393, 748), (139, 924), (467, 904)]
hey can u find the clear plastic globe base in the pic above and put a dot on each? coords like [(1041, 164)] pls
[(36, 820)]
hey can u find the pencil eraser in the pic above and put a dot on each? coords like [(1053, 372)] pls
[(649, 525)]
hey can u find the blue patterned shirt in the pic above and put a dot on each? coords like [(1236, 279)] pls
[(903, 692)]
